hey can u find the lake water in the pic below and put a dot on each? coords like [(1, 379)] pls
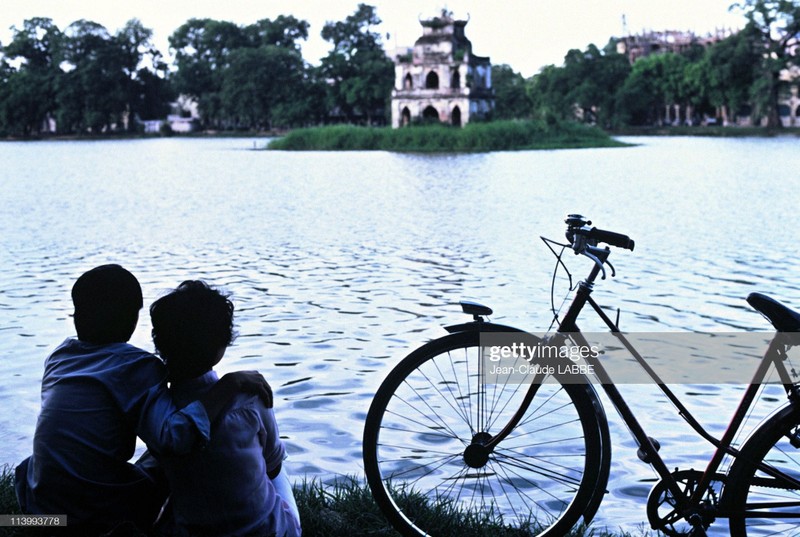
[(341, 263)]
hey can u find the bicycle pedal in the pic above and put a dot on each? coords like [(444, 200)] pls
[(644, 454)]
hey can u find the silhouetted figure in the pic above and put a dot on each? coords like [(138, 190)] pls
[(235, 486)]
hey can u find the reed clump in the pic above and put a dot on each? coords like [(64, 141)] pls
[(472, 138)]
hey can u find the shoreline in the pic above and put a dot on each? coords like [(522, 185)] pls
[(707, 132), (664, 131), (343, 507)]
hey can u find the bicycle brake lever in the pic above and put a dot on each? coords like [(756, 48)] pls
[(597, 262), (613, 272)]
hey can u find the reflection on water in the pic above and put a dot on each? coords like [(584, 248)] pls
[(340, 263)]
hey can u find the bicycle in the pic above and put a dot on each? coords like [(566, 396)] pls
[(536, 456)]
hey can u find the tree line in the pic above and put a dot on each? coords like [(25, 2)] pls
[(740, 75), (85, 79)]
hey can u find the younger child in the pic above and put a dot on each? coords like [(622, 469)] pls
[(235, 485)]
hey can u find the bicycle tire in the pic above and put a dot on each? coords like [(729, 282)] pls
[(548, 473), (750, 494)]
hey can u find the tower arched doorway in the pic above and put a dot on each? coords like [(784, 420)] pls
[(430, 114), (455, 117)]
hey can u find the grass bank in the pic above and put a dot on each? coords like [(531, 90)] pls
[(346, 507), (472, 138)]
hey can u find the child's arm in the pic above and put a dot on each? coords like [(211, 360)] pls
[(167, 429), (215, 399)]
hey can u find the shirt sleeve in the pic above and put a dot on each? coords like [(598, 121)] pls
[(169, 430), (274, 451)]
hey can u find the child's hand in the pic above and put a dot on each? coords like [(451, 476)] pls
[(250, 382), (217, 398)]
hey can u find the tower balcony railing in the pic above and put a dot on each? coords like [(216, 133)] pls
[(438, 92)]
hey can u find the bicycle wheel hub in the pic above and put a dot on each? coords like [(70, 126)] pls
[(477, 454)]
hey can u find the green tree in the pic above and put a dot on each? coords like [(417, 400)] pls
[(29, 90), (641, 99), (587, 84), (511, 95), (775, 24), (202, 53), (243, 76), (728, 71), (594, 78), (361, 77), (285, 31), (259, 85), (5, 74), (22, 112), (94, 93), (549, 93), (109, 81), (673, 83), (153, 96), (147, 92), (696, 83)]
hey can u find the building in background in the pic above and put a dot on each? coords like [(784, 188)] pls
[(636, 46), (440, 79)]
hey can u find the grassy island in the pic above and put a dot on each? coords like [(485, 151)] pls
[(473, 138)]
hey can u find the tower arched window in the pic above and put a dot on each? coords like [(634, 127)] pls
[(455, 81), (432, 80)]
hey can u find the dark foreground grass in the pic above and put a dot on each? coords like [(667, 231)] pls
[(473, 138), (345, 508)]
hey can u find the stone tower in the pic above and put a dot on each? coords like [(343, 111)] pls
[(440, 78)]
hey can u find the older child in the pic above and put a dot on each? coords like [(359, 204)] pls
[(98, 394), (234, 486)]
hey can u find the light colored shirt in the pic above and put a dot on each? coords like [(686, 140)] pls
[(95, 400), (224, 489)]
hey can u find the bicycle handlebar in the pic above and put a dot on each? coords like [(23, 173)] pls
[(579, 226), (610, 237)]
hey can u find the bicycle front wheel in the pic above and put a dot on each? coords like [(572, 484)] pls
[(766, 501), (435, 405)]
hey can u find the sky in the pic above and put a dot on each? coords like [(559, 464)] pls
[(525, 34)]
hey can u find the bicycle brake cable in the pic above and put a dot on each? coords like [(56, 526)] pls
[(558, 256)]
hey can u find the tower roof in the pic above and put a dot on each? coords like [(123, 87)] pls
[(443, 27)]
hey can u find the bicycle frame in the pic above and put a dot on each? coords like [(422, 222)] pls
[(774, 356)]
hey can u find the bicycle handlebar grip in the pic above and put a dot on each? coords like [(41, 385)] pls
[(609, 237)]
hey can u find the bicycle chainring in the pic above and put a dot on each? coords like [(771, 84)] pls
[(662, 506)]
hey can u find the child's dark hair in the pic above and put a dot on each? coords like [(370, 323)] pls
[(107, 301), (190, 326)]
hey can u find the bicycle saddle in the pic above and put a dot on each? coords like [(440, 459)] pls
[(781, 317)]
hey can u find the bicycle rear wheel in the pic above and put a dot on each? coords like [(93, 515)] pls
[(761, 503), (550, 471)]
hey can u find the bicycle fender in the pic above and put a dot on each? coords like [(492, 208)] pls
[(480, 326)]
